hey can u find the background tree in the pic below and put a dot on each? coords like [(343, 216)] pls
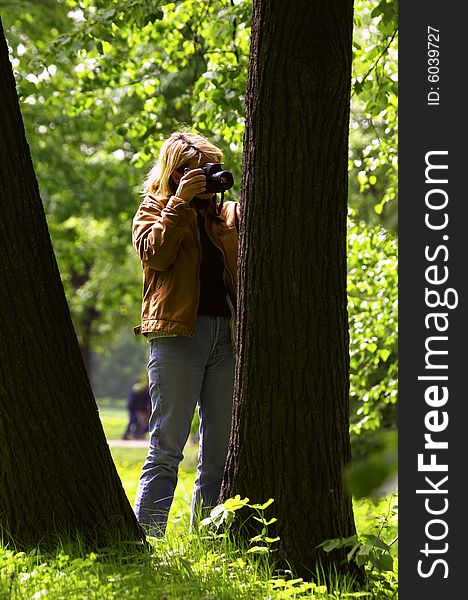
[(290, 438), (57, 476)]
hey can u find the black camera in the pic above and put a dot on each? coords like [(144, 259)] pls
[(217, 179)]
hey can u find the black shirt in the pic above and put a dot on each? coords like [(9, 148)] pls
[(213, 290)]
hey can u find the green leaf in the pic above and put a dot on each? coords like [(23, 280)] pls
[(378, 10), (376, 541), (258, 550), (383, 562), (329, 545), (235, 503), (156, 15), (262, 506), (384, 354), (357, 87), (256, 538), (351, 553), (265, 522)]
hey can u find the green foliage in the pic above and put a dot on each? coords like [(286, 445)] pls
[(103, 82), (370, 550), (372, 308), (372, 305), (119, 365), (373, 473), (147, 68), (373, 160), (85, 180), (282, 583), (101, 85), (222, 517), (177, 567), (183, 565)]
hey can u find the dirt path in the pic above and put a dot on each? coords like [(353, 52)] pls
[(128, 443)]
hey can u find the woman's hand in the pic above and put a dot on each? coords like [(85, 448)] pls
[(191, 184)]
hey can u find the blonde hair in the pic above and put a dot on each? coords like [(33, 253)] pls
[(180, 148)]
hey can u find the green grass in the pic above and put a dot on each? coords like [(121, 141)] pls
[(183, 565), (129, 461), (114, 419)]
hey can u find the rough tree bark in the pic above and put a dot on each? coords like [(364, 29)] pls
[(290, 438), (86, 320), (57, 475)]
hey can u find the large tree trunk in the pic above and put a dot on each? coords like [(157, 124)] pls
[(57, 475), (85, 321), (290, 438)]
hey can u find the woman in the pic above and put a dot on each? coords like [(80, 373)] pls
[(187, 244)]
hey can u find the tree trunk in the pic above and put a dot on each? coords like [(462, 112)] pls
[(57, 476), (290, 438), (85, 320)]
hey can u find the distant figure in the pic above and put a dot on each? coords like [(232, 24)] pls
[(139, 409)]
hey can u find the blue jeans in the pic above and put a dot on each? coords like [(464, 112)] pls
[(183, 372)]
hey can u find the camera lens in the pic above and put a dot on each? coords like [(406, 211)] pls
[(223, 180)]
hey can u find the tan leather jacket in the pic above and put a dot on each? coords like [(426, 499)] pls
[(167, 240)]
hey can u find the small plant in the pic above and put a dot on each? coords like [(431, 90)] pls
[(221, 518), (370, 551), (367, 548)]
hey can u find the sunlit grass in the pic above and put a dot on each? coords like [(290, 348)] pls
[(182, 565), (129, 461), (114, 418)]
